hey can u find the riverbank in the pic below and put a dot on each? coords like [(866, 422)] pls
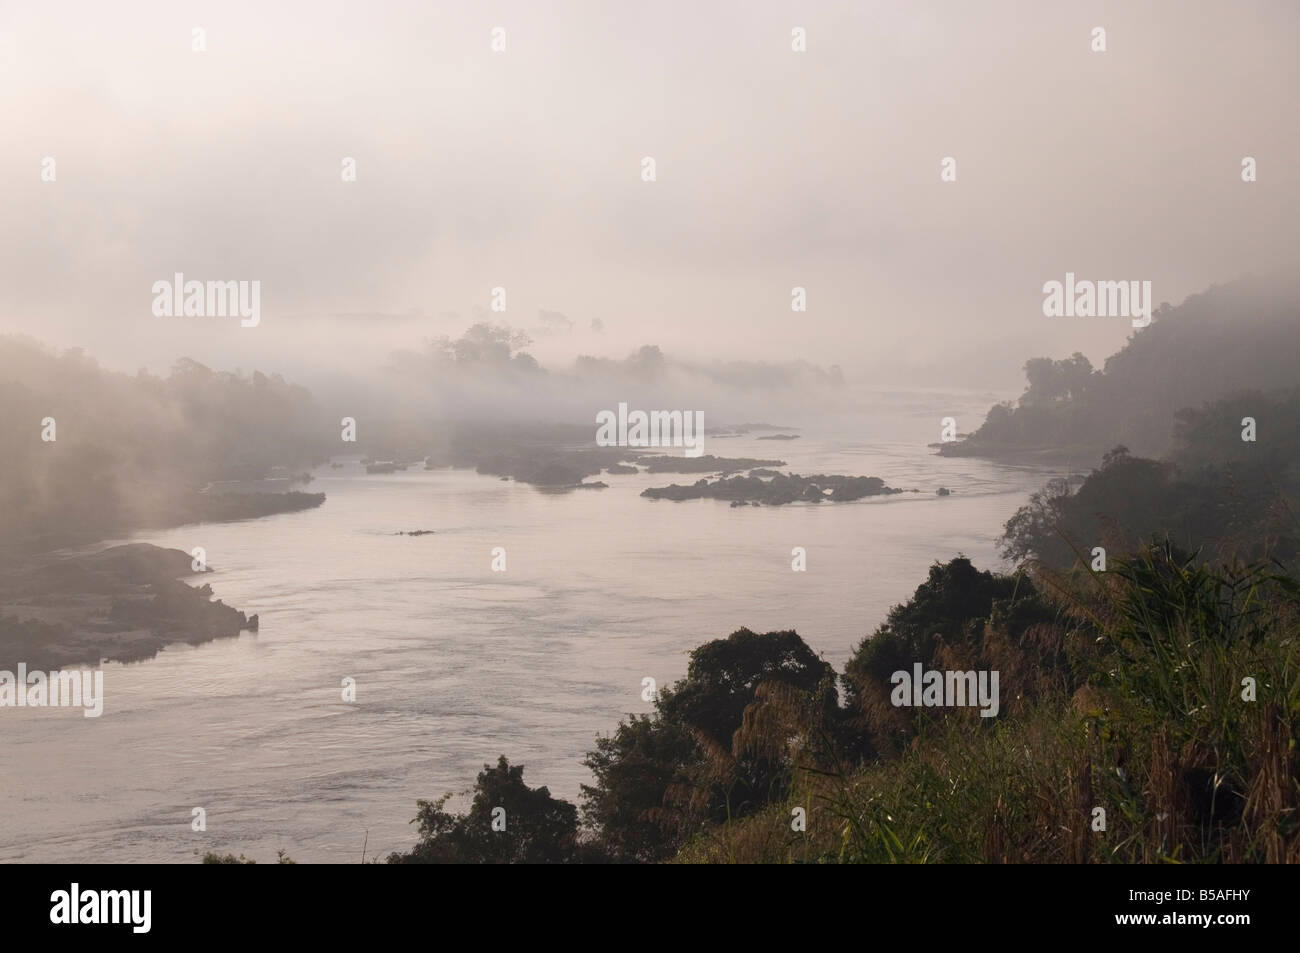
[(124, 604)]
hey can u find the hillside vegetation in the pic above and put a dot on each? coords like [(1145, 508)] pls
[(136, 451)]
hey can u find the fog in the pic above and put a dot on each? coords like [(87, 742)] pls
[(631, 391), (522, 170)]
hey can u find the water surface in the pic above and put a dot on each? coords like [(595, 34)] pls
[(456, 664)]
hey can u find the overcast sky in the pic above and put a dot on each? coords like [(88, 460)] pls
[(522, 169)]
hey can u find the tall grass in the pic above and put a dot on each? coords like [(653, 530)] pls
[(1157, 729)]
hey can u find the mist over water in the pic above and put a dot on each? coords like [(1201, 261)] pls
[(455, 664)]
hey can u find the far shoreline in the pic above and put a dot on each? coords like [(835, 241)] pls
[(116, 599)]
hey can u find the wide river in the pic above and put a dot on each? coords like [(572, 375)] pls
[(456, 664)]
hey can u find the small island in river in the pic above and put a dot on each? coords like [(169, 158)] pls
[(778, 490)]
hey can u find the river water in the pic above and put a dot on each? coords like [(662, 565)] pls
[(456, 664)]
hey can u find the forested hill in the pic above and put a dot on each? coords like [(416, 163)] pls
[(1244, 335), (89, 453)]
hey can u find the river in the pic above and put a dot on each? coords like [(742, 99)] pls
[(455, 664)]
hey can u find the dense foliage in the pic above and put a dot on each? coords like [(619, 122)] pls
[(507, 822), (1215, 491), (133, 451), (1233, 337)]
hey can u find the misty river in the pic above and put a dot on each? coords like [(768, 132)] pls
[(455, 664)]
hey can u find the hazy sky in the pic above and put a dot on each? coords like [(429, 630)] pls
[(522, 169)]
